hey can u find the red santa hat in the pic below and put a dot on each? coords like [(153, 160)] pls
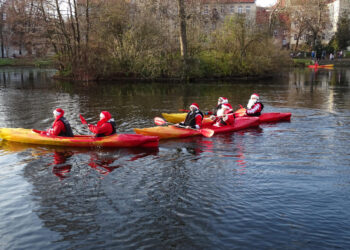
[(194, 105), (227, 106), (254, 96), (222, 100)]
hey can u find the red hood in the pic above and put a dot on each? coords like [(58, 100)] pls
[(107, 117)]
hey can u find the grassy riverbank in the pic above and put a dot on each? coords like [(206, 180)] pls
[(27, 61)]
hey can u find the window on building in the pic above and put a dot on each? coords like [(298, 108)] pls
[(323, 36), (206, 9), (295, 37), (247, 10), (275, 32), (240, 10), (222, 9), (232, 9)]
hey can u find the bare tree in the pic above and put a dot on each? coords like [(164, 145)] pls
[(183, 34), (299, 25)]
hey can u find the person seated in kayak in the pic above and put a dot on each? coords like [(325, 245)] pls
[(194, 118), (227, 118), (219, 111), (60, 126), (221, 100), (106, 126), (254, 106)]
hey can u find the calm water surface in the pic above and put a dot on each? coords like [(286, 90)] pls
[(280, 186)]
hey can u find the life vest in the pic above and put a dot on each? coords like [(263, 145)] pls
[(69, 131), (191, 118), (114, 128)]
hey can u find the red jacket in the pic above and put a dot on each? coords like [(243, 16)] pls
[(255, 110), (104, 129), (105, 126), (229, 121), (57, 127)]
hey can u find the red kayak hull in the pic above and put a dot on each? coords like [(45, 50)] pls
[(274, 117), (118, 140), (167, 132), (239, 124)]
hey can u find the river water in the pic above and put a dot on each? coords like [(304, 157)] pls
[(280, 186)]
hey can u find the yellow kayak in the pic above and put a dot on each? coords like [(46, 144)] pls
[(179, 117), (174, 117), (117, 140)]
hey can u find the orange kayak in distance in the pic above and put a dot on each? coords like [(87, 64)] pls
[(326, 66)]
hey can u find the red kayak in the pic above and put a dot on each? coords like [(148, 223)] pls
[(239, 124), (266, 117), (274, 117), (117, 140), (166, 132)]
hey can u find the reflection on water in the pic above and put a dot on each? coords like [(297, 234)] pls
[(60, 166), (283, 185)]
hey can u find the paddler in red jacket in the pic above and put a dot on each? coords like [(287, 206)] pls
[(106, 126), (194, 118), (60, 126), (226, 118), (219, 111), (254, 106)]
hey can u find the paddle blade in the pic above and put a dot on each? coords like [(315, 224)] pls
[(83, 121), (241, 106), (240, 112), (207, 132), (184, 110), (159, 121), (36, 131)]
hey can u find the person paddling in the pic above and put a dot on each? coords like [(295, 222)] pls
[(193, 119), (106, 126), (218, 111), (254, 106), (227, 117), (60, 126)]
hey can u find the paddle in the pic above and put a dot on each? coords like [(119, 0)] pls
[(186, 110), (83, 121), (204, 131), (241, 111)]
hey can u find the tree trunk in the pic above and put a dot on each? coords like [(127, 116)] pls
[(183, 35), (87, 23), (1, 33)]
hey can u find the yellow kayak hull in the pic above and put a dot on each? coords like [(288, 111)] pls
[(117, 140), (180, 117), (167, 132)]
